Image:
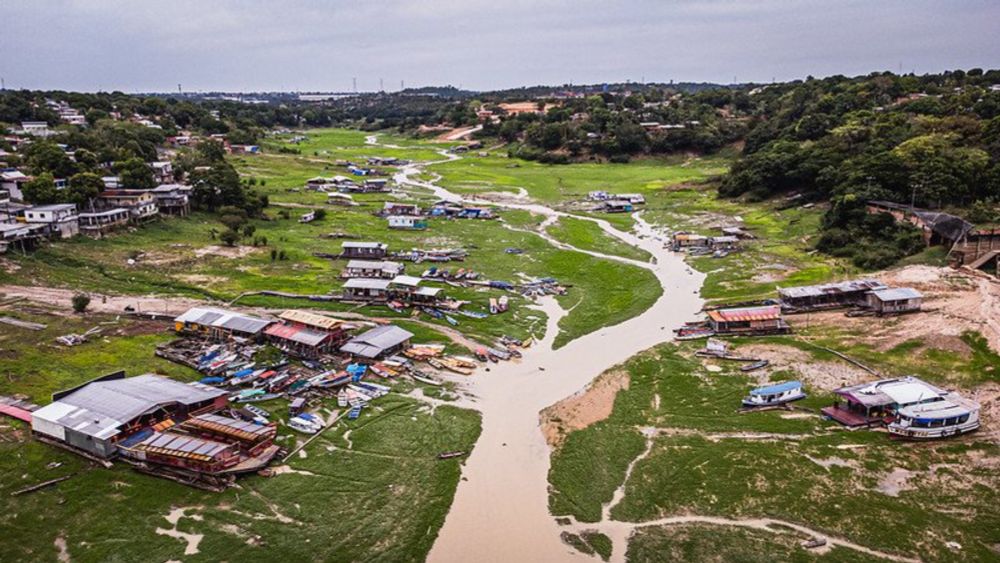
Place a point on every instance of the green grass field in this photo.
(370, 489)
(561, 183)
(807, 472)
(182, 256)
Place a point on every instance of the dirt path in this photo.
(102, 303)
(620, 531)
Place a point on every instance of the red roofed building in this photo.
(307, 334)
(748, 320)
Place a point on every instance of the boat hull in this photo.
(921, 434)
(791, 398)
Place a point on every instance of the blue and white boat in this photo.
(942, 418)
(777, 394)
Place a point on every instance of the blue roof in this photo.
(777, 388)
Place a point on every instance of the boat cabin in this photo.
(777, 394)
(938, 419)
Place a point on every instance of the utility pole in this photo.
(380, 87)
(354, 80)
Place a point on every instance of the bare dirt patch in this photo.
(202, 279)
(62, 299)
(225, 251)
(818, 374)
(578, 411)
(954, 302)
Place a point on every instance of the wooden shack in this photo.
(748, 320)
(895, 300)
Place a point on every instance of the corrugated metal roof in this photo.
(411, 281)
(830, 288)
(765, 313)
(880, 393)
(367, 283)
(97, 409)
(375, 341)
(311, 319)
(179, 445)
(897, 294)
(297, 334)
(221, 318)
(364, 245)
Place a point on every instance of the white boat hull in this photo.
(915, 433)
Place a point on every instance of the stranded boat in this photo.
(936, 419)
(777, 394)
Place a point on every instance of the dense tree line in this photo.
(931, 140)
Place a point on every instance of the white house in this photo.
(61, 218)
(12, 180)
(406, 222)
(35, 128)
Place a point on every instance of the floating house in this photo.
(910, 407)
(396, 208)
(306, 334)
(747, 320)
(895, 301)
(407, 222)
(851, 293)
(94, 417)
(366, 289)
(378, 342)
(372, 269)
(221, 324)
(617, 206)
(364, 250)
(689, 240)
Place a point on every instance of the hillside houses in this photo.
(140, 204)
(61, 219)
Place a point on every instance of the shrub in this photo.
(80, 302)
(229, 238)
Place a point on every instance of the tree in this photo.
(136, 175)
(46, 156)
(82, 188)
(40, 190)
(80, 302)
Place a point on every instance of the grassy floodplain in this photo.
(182, 257)
(370, 489)
(700, 457)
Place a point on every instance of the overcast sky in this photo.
(317, 45)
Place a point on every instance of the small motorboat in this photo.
(755, 365)
(777, 394)
(306, 422)
(423, 378)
